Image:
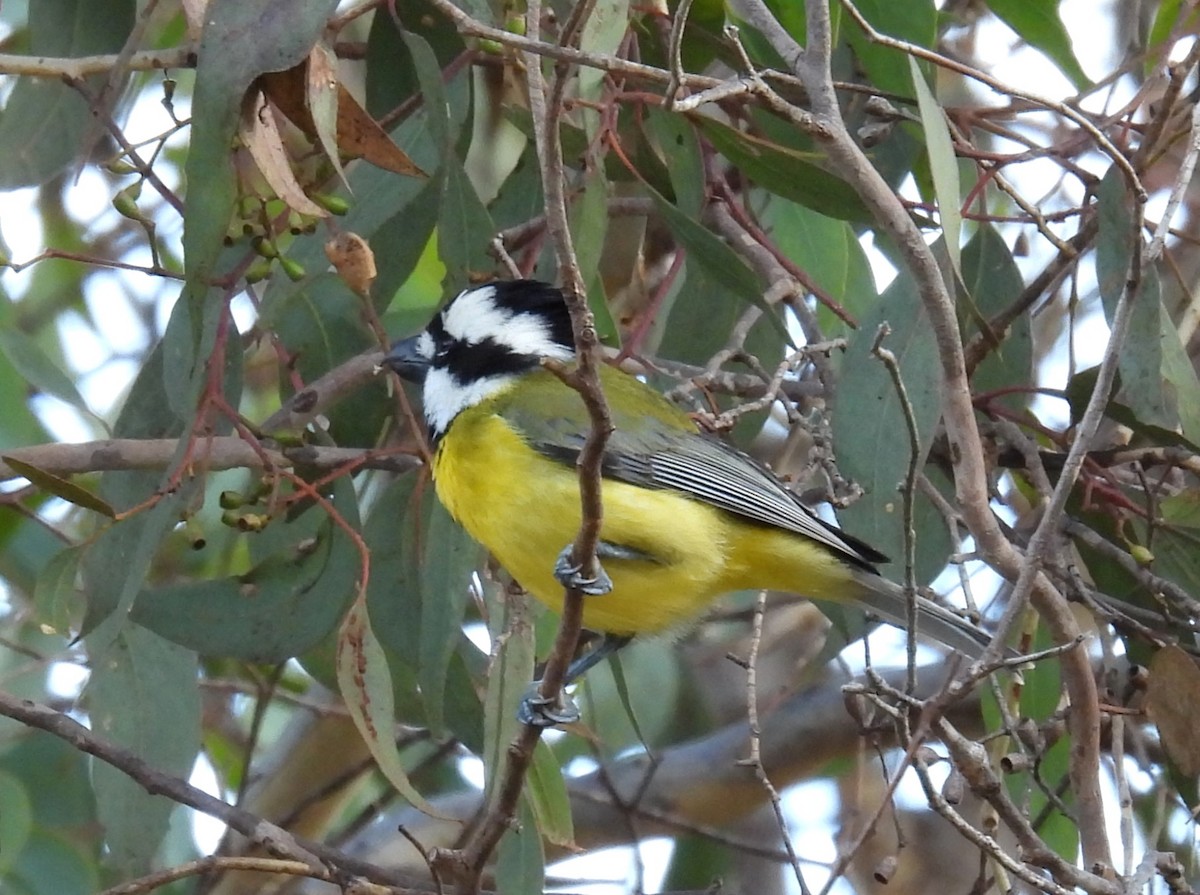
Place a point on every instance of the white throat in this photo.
(446, 397)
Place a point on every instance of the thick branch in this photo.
(812, 65)
(81, 67)
(223, 452)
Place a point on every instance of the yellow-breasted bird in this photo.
(687, 517)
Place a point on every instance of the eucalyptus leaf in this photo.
(870, 432)
(520, 861)
(280, 608)
(449, 559)
(143, 696)
(45, 119)
(785, 172)
(943, 164)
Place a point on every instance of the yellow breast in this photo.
(525, 508)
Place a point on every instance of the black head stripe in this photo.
(542, 299)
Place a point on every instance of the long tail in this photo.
(934, 622)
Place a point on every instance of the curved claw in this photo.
(541, 711)
(569, 575)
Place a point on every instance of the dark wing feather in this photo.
(660, 448)
(717, 473)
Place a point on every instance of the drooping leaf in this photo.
(509, 676)
(719, 261)
(45, 119)
(1158, 381)
(465, 229)
(1174, 686)
(785, 172)
(60, 487)
(546, 792)
(942, 164)
(1041, 27)
(449, 559)
(366, 686)
(520, 861)
(143, 696)
(280, 608)
(870, 431)
(828, 251)
(55, 597)
(992, 278)
(260, 134)
(390, 76)
(314, 100)
(914, 21)
(16, 820)
(241, 40)
(39, 370)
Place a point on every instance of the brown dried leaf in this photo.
(358, 136)
(260, 133)
(354, 261)
(1172, 695)
(321, 90)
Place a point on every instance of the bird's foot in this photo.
(543, 711)
(571, 576)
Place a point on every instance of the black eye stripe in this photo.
(467, 363)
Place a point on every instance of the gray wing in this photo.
(713, 471)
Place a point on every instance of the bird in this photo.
(687, 516)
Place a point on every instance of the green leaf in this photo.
(61, 487)
(509, 676)
(828, 251)
(281, 608)
(16, 820)
(718, 260)
(546, 791)
(44, 120)
(679, 149)
(942, 164)
(603, 31)
(870, 434)
(21, 428)
(589, 225)
(143, 696)
(1037, 23)
(992, 278)
(465, 228)
(394, 591)
(118, 559)
(55, 596)
(39, 370)
(785, 171)
(1157, 379)
(449, 559)
(115, 565)
(390, 76)
(914, 21)
(241, 40)
(50, 865)
(520, 861)
(366, 686)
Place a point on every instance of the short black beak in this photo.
(404, 359)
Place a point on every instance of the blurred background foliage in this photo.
(197, 588)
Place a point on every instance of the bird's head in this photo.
(480, 342)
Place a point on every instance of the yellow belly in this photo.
(525, 509)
